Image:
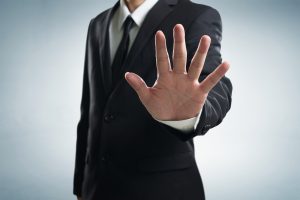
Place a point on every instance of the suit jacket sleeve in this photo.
(218, 101)
(82, 127)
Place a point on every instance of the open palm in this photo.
(177, 94)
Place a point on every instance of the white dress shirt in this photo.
(115, 35)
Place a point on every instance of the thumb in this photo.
(137, 83)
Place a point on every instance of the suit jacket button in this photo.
(207, 126)
(109, 118)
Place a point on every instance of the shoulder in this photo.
(203, 19)
(94, 27)
(200, 9)
(100, 17)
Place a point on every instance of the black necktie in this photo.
(121, 52)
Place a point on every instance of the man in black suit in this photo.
(136, 129)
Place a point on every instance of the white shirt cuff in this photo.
(186, 125)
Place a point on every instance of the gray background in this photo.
(253, 154)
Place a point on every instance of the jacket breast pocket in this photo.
(166, 163)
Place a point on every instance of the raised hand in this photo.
(177, 94)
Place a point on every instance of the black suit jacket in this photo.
(121, 151)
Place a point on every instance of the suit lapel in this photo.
(104, 50)
(153, 19)
(147, 30)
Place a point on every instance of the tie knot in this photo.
(128, 24)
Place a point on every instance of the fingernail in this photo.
(127, 74)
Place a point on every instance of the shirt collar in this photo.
(138, 15)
